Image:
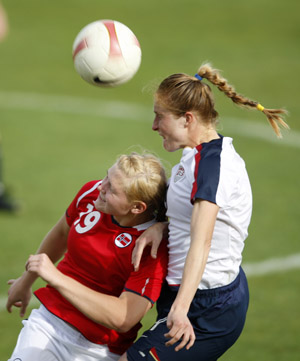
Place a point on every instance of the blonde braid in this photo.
(273, 115)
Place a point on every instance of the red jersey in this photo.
(99, 256)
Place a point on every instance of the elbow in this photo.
(124, 326)
(118, 323)
(123, 329)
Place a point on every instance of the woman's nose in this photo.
(155, 124)
(101, 187)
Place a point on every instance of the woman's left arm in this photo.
(202, 226)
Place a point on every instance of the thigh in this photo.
(151, 346)
(45, 337)
(34, 342)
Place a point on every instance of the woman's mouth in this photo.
(162, 135)
(101, 198)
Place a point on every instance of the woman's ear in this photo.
(138, 207)
(189, 118)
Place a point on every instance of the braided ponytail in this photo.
(273, 115)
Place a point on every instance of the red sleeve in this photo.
(147, 281)
(72, 211)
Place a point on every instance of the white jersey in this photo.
(214, 172)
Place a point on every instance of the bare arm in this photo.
(54, 245)
(202, 226)
(152, 236)
(119, 313)
(55, 242)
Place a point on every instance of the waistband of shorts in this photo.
(212, 292)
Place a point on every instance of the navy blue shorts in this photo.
(217, 315)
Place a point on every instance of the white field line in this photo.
(130, 111)
(73, 105)
(270, 266)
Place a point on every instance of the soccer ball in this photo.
(106, 53)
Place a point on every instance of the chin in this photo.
(99, 207)
(170, 148)
(167, 146)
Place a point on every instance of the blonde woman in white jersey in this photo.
(203, 306)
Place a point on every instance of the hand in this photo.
(180, 329)
(151, 237)
(42, 266)
(19, 295)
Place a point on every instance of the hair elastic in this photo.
(198, 77)
(260, 107)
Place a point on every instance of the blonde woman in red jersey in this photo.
(94, 301)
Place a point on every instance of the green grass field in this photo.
(58, 132)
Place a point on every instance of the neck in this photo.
(203, 135)
(133, 220)
(208, 136)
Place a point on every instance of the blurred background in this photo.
(58, 132)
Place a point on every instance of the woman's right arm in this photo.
(54, 245)
(152, 236)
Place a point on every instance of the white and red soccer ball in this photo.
(106, 53)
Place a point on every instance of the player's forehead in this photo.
(159, 108)
(115, 177)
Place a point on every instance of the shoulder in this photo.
(219, 153)
(208, 158)
(208, 164)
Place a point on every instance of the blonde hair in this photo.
(180, 93)
(145, 180)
